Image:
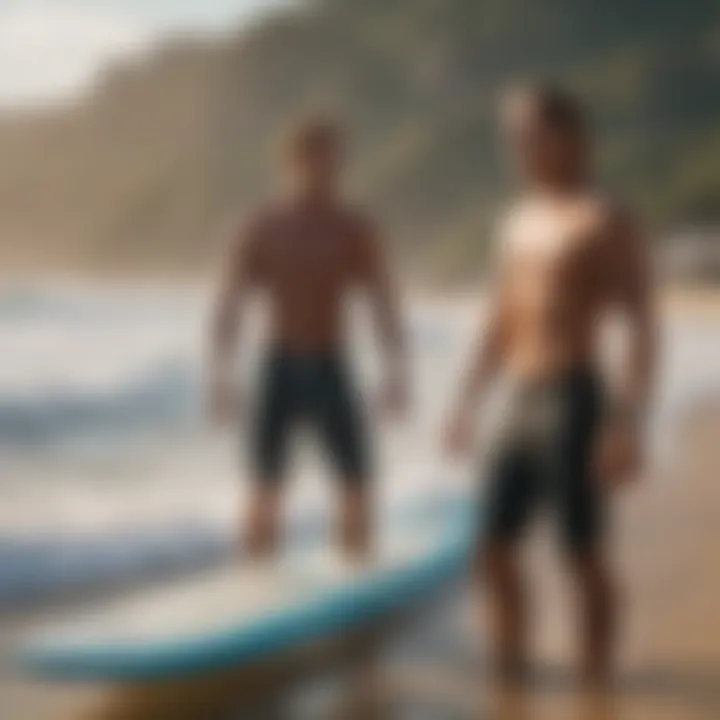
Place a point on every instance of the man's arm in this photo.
(225, 325)
(484, 366)
(487, 354)
(632, 295)
(634, 298)
(384, 297)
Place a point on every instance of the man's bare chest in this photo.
(553, 251)
(314, 257)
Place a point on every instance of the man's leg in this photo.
(342, 424)
(598, 613)
(582, 508)
(355, 521)
(263, 521)
(272, 426)
(507, 604)
(513, 494)
(583, 511)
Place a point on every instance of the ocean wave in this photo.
(75, 304)
(38, 568)
(165, 397)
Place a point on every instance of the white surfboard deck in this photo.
(246, 613)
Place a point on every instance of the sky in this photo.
(52, 50)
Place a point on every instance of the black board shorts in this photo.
(315, 391)
(543, 458)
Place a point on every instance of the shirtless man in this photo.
(568, 257)
(307, 251)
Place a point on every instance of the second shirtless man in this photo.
(568, 258)
(307, 251)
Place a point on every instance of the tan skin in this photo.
(306, 252)
(568, 259)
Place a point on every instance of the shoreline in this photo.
(683, 300)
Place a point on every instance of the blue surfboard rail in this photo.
(322, 617)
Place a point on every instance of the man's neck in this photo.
(315, 200)
(559, 189)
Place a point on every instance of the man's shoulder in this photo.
(505, 217)
(265, 214)
(253, 231)
(606, 214)
(510, 209)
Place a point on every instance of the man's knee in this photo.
(498, 562)
(593, 574)
(265, 499)
(262, 527)
(355, 521)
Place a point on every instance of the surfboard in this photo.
(247, 614)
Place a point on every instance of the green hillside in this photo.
(154, 166)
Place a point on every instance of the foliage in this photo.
(152, 169)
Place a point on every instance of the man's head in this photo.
(313, 152)
(547, 130)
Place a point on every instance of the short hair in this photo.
(554, 105)
(312, 134)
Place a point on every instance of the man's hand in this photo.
(224, 404)
(459, 434)
(395, 398)
(618, 455)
